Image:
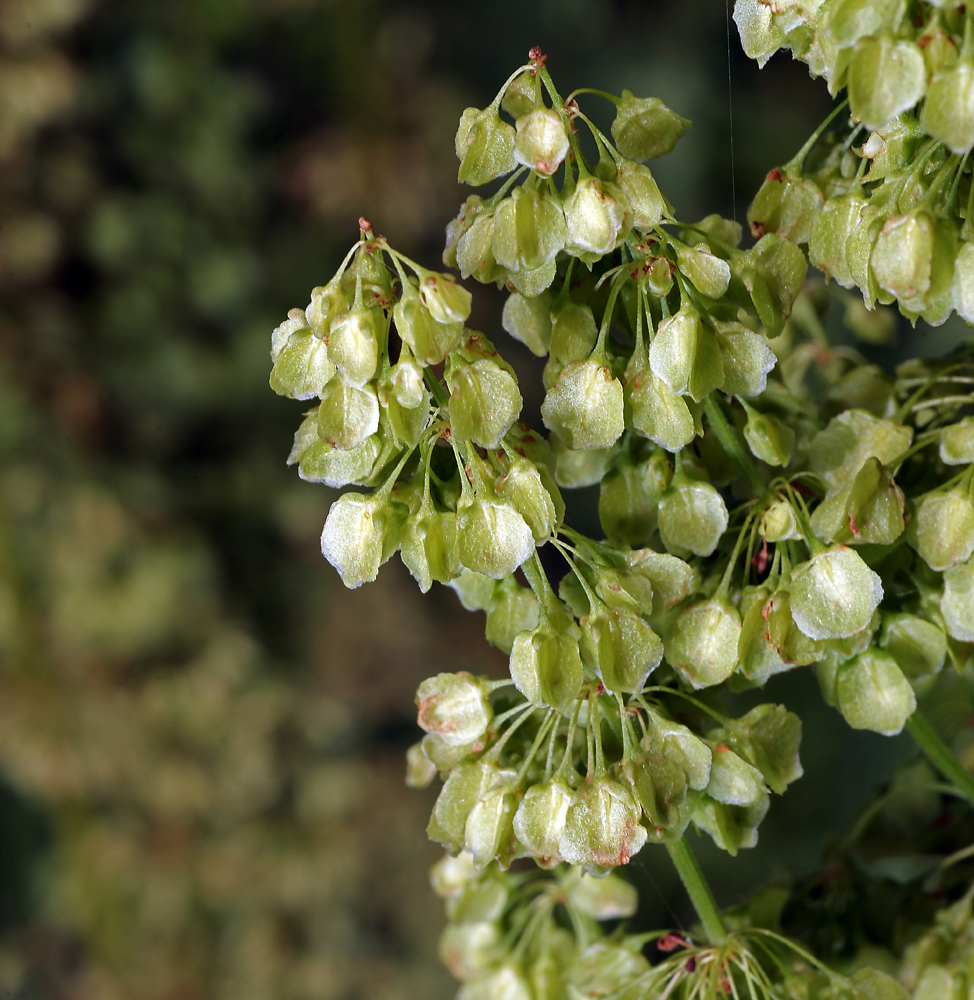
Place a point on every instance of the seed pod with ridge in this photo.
(529, 321)
(302, 367)
(541, 142)
(430, 548)
(536, 498)
(428, 340)
(692, 516)
(701, 642)
(707, 272)
(872, 693)
(786, 204)
(659, 414)
(629, 498)
(948, 109)
(545, 663)
(644, 197)
(585, 406)
(645, 128)
(347, 414)
(573, 331)
(621, 647)
(870, 510)
(511, 610)
(456, 706)
(484, 400)
(539, 822)
(489, 830)
(529, 230)
(746, 358)
(602, 826)
(683, 355)
(360, 533)
(918, 646)
(829, 235)
(942, 531)
(886, 77)
(494, 538)
(446, 301)
(598, 217)
(769, 438)
(484, 146)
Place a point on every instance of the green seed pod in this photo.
(484, 401)
(834, 594)
(356, 340)
(957, 604)
(957, 443)
(545, 663)
(494, 538)
(529, 230)
(541, 142)
(523, 94)
(360, 534)
(484, 145)
(585, 406)
(428, 340)
(772, 273)
(469, 949)
(489, 830)
(480, 899)
(678, 744)
(767, 737)
(692, 517)
(621, 647)
(708, 273)
(605, 969)
(761, 34)
(539, 822)
(758, 657)
(872, 693)
(746, 359)
(504, 983)
(870, 510)
(943, 529)
(608, 898)
(918, 646)
(656, 412)
(460, 792)
(459, 226)
(948, 110)
(962, 288)
(532, 283)
(913, 259)
(886, 77)
(733, 781)
(683, 355)
(647, 203)
(475, 251)
(447, 302)
(511, 610)
(302, 367)
(701, 643)
(598, 217)
(645, 128)
(430, 547)
(420, 770)
(327, 302)
(524, 489)
(319, 462)
(660, 787)
(602, 825)
(629, 498)
(529, 321)
(659, 276)
(779, 524)
(347, 415)
(405, 425)
(785, 204)
(792, 645)
(829, 236)
(476, 591)
(769, 438)
(456, 706)
(573, 332)
(839, 451)
(846, 21)
(670, 578)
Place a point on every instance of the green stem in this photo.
(733, 447)
(939, 754)
(698, 890)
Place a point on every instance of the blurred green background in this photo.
(201, 732)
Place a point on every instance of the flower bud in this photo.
(957, 443)
(785, 204)
(872, 693)
(656, 412)
(957, 604)
(701, 643)
(529, 321)
(360, 533)
(943, 529)
(484, 145)
(683, 355)
(885, 77)
(347, 415)
(948, 109)
(834, 594)
(493, 537)
(645, 128)
(870, 510)
(529, 230)
(430, 341)
(692, 517)
(541, 142)
(779, 524)
(840, 451)
(573, 332)
(642, 193)
(602, 825)
(598, 217)
(629, 498)
(918, 646)
(513, 610)
(484, 401)
(302, 367)
(621, 647)
(545, 662)
(540, 820)
(709, 274)
(446, 301)
(585, 406)
(746, 359)
(768, 438)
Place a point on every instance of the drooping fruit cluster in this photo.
(755, 513)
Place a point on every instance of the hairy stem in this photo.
(699, 892)
(939, 754)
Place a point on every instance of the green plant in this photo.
(768, 500)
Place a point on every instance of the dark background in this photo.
(201, 732)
